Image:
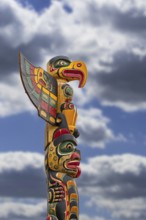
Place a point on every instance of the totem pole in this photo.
(52, 96)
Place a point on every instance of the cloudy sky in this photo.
(110, 36)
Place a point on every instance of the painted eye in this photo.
(61, 63)
(66, 147)
(69, 146)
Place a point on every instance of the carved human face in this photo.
(65, 158)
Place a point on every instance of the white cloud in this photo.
(125, 209)
(21, 208)
(118, 164)
(119, 4)
(86, 217)
(17, 13)
(94, 129)
(126, 106)
(18, 161)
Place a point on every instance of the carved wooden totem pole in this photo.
(51, 94)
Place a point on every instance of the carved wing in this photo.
(41, 88)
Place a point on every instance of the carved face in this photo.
(62, 67)
(64, 158)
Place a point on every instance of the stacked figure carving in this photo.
(51, 94)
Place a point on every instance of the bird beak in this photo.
(77, 70)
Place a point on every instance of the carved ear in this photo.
(62, 133)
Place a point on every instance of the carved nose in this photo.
(76, 155)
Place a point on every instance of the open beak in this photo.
(77, 70)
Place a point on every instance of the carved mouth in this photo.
(75, 74)
(73, 164)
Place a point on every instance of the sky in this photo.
(110, 37)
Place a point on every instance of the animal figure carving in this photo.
(51, 94)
